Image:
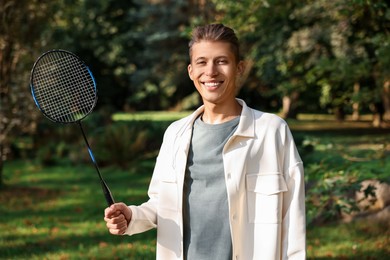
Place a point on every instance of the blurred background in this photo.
(322, 65)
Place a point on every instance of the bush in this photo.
(330, 193)
(333, 174)
(122, 143)
(112, 142)
(53, 152)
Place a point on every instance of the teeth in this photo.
(211, 84)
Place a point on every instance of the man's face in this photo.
(214, 70)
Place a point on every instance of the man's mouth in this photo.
(213, 84)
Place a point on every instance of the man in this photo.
(228, 181)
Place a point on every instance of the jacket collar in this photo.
(246, 126)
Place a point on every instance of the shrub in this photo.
(332, 178)
(122, 143)
(330, 193)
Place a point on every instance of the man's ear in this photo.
(241, 67)
(189, 68)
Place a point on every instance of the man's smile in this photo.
(212, 84)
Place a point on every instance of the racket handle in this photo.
(107, 193)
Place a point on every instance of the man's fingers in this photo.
(115, 210)
(120, 225)
(117, 229)
(116, 225)
(117, 217)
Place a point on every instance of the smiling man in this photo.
(214, 70)
(228, 181)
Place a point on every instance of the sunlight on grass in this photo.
(329, 117)
(57, 213)
(150, 115)
(173, 115)
(352, 240)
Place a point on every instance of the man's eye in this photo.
(200, 62)
(222, 61)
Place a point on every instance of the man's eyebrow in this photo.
(222, 57)
(216, 58)
(200, 58)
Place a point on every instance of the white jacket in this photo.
(265, 186)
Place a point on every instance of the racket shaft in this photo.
(106, 190)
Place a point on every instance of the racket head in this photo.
(63, 86)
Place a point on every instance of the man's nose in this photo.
(211, 69)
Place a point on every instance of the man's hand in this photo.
(117, 218)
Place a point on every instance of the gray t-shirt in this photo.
(205, 203)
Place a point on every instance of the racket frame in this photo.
(106, 191)
(33, 91)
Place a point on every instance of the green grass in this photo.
(356, 240)
(56, 212)
(150, 115)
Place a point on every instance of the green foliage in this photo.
(19, 35)
(335, 165)
(124, 143)
(51, 153)
(314, 47)
(138, 53)
(120, 143)
(136, 49)
(53, 142)
(331, 195)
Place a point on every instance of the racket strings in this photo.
(63, 87)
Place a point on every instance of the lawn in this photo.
(56, 212)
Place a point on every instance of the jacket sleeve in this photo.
(294, 216)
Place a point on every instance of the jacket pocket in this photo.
(168, 198)
(265, 197)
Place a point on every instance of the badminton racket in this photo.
(64, 90)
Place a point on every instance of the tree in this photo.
(325, 47)
(136, 49)
(103, 34)
(161, 80)
(267, 30)
(21, 23)
(360, 40)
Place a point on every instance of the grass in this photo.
(356, 240)
(349, 147)
(150, 115)
(56, 212)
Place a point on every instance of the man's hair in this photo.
(215, 32)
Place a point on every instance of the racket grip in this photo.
(107, 194)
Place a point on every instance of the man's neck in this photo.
(217, 114)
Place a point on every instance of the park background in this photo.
(322, 65)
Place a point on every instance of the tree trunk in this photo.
(356, 104)
(339, 113)
(1, 166)
(377, 111)
(386, 100)
(5, 74)
(290, 106)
